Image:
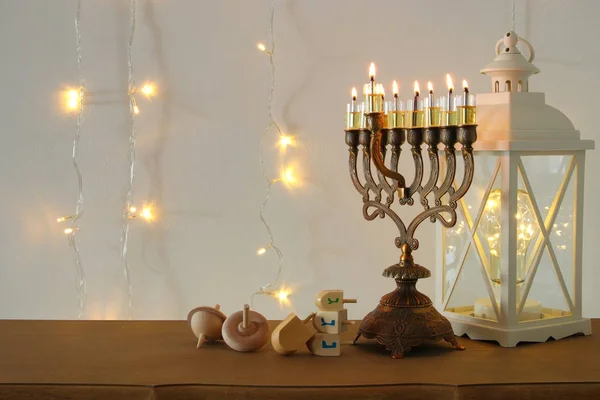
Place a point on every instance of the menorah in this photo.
(406, 318)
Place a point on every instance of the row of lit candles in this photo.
(450, 110)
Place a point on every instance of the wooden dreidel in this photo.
(333, 322)
(245, 330)
(291, 334)
(206, 323)
(325, 345)
(331, 300)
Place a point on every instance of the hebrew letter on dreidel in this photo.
(324, 344)
(331, 300)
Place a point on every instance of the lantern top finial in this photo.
(510, 70)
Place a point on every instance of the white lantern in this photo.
(510, 269)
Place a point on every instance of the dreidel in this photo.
(332, 300)
(333, 322)
(325, 345)
(291, 334)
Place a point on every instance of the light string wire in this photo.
(131, 157)
(514, 17)
(265, 290)
(77, 98)
(81, 282)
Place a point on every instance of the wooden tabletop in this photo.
(158, 359)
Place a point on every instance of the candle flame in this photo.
(354, 94)
(449, 82)
(395, 88)
(430, 87)
(465, 85)
(417, 88)
(372, 71)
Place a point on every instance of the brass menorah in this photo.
(406, 318)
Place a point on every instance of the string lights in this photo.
(74, 102)
(286, 176)
(131, 211)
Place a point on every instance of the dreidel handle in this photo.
(349, 301)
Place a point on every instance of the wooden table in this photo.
(158, 360)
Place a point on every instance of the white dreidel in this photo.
(332, 300)
(333, 322)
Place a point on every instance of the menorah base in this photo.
(406, 318)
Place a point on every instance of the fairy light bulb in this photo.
(285, 141)
(148, 89)
(287, 176)
(147, 214)
(69, 231)
(132, 210)
(261, 47)
(73, 100)
(261, 251)
(283, 296)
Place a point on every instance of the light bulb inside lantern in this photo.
(148, 89)
(261, 251)
(261, 47)
(527, 229)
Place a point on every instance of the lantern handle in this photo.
(508, 41)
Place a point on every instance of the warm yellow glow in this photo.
(148, 89)
(449, 82)
(68, 231)
(136, 110)
(147, 213)
(261, 47)
(430, 87)
(354, 94)
(62, 219)
(395, 88)
(283, 296)
(73, 100)
(285, 141)
(261, 251)
(132, 209)
(287, 176)
(417, 91)
(465, 85)
(372, 71)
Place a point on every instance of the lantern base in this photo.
(405, 318)
(556, 328)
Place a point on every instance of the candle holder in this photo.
(406, 318)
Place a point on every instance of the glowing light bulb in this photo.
(283, 296)
(261, 251)
(69, 231)
(148, 89)
(287, 176)
(136, 110)
(147, 214)
(62, 219)
(261, 47)
(73, 100)
(285, 141)
(449, 83)
(132, 209)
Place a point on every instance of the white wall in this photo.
(198, 142)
